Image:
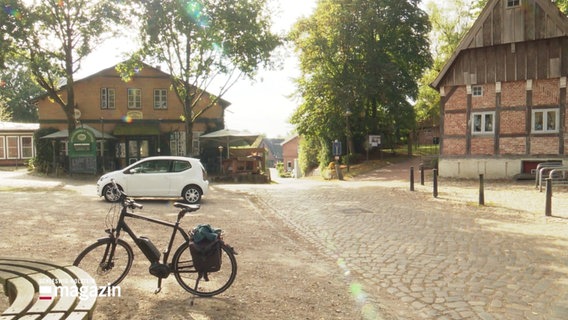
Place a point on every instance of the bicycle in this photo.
(109, 259)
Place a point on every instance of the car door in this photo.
(180, 176)
(149, 179)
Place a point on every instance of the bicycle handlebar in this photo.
(126, 202)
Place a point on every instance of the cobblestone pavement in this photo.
(408, 255)
(420, 257)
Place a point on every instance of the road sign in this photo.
(337, 150)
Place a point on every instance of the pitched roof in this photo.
(18, 126)
(556, 24)
(224, 103)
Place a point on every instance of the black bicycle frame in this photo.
(122, 225)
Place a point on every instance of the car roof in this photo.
(169, 158)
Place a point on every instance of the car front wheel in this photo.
(192, 194)
(110, 194)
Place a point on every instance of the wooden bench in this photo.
(44, 290)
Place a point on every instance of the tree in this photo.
(206, 45)
(449, 26)
(18, 92)
(360, 62)
(54, 36)
(562, 5)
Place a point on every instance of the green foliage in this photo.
(450, 24)
(202, 41)
(308, 155)
(53, 37)
(282, 173)
(359, 68)
(44, 151)
(562, 5)
(18, 92)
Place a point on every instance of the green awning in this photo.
(136, 129)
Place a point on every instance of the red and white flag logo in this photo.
(45, 293)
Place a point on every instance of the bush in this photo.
(42, 162)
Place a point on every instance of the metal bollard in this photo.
(481, 191)
(435, 173)
(422, 174)
(548, 205)
(411, 178)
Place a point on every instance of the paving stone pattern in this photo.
(407, 255)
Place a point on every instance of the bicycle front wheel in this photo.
(108, 270)
(204, 284)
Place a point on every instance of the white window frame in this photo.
(196, 142)
(3, 151)
(108, 96)
(483, 122)
(477, 91)
(545, 119)
(134, 98)
(8, 145)
(22, 147)
(160, 99)
(513, 3)
(64, 147)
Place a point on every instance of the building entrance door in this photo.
(137, 149)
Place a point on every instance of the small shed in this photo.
(17, 144)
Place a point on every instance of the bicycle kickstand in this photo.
(200, 275)
(159, 288)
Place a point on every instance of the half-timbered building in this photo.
(503, 92)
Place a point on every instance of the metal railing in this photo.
(542, 170)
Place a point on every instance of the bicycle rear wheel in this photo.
(107, 270)
(200, 284)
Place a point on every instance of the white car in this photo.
(162, 176)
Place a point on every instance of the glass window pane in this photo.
(27, 147)
(2, 148)
(551, 120)
(489, 122)
(477, 123)
(12, 147)
(538, 121)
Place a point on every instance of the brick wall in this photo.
(513, 94)
(482, 145)
(487, 100)
(546, 92)
(544, 145)
(512, 122)
(454, 146)
(512, 146)
(455, 124)
(87, 98)
(456, 99)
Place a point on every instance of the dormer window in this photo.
(513, 3)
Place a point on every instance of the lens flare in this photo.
(127, 119)
(194, 11)
(12, 12)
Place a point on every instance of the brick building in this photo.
(290, 152)
(503, 92)
(137, 119)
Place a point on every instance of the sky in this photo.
(263, 105)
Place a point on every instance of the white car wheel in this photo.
(192, 194)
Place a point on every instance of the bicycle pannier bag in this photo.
(205, 248)
(206, 255)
